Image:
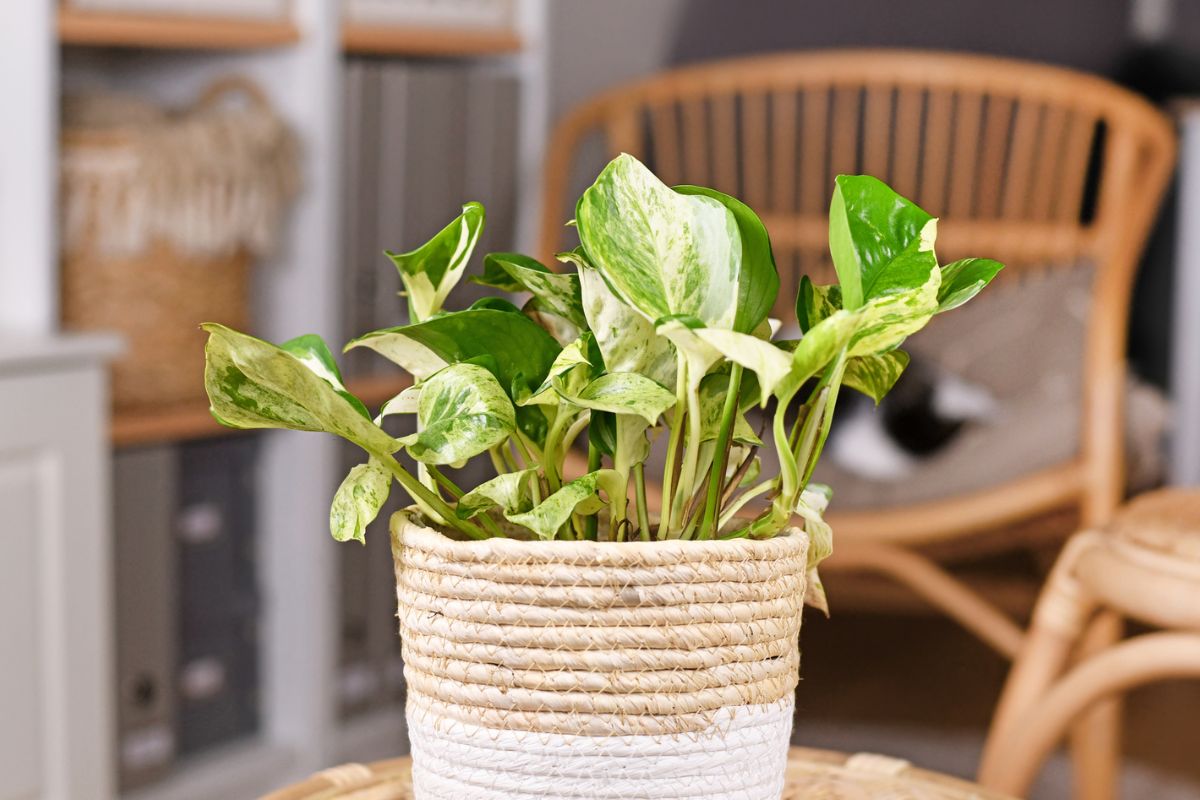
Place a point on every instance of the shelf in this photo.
(191, 420)
(106, 29)
(361, 39)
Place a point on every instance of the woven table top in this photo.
(812, 775)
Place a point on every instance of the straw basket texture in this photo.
(538, 670)
(161, 213)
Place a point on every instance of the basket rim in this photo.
(409, 532)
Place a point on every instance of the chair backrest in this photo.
(1037, 166)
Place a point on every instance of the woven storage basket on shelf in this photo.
(539, 670)
(161, 214)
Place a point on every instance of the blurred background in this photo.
(176, 622)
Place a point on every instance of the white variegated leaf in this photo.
(885, 321)
(433, 269)
(581, 494)
(626, 339)
(254, 384)
(875, 376)
(358, 500)
(820, 547)
(665, 253)
(403, 403)
(462, 412)
(511, 492)
(770, 364)
(621, 393)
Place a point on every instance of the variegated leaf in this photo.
(433, 269)
(581, 494)
(820, 547)
(885, 321)
(626, 339)
(254, 384)
(663, 252)
(358, 500)
(713, 390)
(554, 293)
(511, 492)
(621, 393)
(462, 412)
(875, 375)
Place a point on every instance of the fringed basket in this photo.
(162, 214)
(656, 670)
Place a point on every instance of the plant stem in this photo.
(550, 453)
(591, 523)
(743, 498)
(691, 458)
(835, 383)
(497, 462)
(445, 482)
(643, 515)
(677, 419)
(716, 476)
(427, 500)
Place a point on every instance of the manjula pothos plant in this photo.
(662, 328)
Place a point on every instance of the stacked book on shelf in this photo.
(187, 602)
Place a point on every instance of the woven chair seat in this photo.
(1166, 522)
(812, 775)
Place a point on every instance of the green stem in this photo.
(691, 459)
(591, 523)
(445, 482)
(497, 462)
(835, 383)
(716, 476)
(677, 419)
(428, 500)
(743, 498)
(550, 453)
(643, 515)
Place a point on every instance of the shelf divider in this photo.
(363, 39)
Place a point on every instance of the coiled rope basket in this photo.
(655, 670)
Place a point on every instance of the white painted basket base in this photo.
(741, 756)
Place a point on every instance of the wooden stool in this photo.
(812, 775)
(1145, 566)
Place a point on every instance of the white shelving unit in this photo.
(298, 63)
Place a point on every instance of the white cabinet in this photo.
(55, 624)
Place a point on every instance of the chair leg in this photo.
(1096, 738)
(1152, 657)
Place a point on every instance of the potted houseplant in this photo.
(562, 636)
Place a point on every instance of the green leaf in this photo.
(758, 279)
(621, 393)
(434, 268)
(880, 242)
(663, 252)
(312, 351)
(815, 303)
(254, 384)
(511, 492)
(514, 348)
(964, 279)
(462, 411)
(358, 500)
(547, 517)
(555, 293)
(875, 375)
(627, 341)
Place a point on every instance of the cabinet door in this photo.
(55, 591)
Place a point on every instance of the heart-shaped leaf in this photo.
(434, 268)
(462, 411)
(663, 252)
(255, 384)
(880, 241)
(358, 500)
(964, 279)
(551, 514)
(875, 375)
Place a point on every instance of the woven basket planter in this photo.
(657, 670)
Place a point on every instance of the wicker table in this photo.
(812, 775)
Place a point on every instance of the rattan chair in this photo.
(1037, 166)
(1145, 566)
